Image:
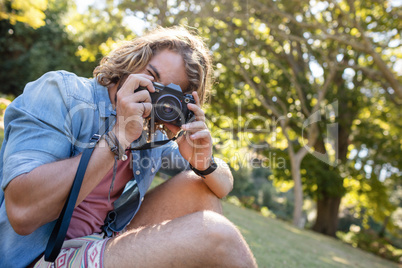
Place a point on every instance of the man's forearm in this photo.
(220, 182)
(36, 198)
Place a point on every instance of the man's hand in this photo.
(132, 108)
(196, 145)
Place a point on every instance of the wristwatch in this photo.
(212, 167)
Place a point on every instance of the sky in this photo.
(135, 24)
(83, 4)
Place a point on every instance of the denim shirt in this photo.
(52, 120)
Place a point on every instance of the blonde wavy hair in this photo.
(133, 56)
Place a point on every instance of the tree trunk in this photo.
(298, 193)
(327, 215)
(381, 233)
(327, 204)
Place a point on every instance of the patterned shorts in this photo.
(82, 252)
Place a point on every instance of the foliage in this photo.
(252, 190)
(26, 53)
(97, 30)
(25, 11)
(374, 168)
(280, 62)
(369, 240)
(68, 41)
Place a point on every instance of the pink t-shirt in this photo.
(88, 217)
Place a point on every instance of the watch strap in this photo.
(213, 166)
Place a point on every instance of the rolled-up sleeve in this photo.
(37, 127)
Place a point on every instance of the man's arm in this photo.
(196, 147)
(220, 182)
(36, 198)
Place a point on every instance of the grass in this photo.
(278, 244)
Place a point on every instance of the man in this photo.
(114, 224)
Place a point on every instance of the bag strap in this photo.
(60, 229)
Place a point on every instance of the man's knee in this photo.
(202, 239)
(221, 238)
(218, 230)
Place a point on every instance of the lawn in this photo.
(278, 244)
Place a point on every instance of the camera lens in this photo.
(168, 108)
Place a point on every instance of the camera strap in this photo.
(58, 234)
(153, 144)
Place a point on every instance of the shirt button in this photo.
(137, 172)
(142, 199)
(152, 170)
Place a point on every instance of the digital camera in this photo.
(169, 104)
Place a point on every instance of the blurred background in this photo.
(305, 107)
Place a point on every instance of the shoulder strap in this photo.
(60, 229)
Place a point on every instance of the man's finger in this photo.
(147, 109)
(194, 126)
(133, 82)
(137, 97)
(203, 134)
(198, 112)
(196, 98)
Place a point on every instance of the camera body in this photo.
(169, 104)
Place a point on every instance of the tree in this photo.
(68, 41)
(27, 53)
(29, 12)
(288, 60)
(374, 168)
(97, 30)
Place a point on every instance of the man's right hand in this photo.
(132, 108)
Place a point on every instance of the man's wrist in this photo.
(204, 164)
(212, 166)
(200, 161)
(121, 137)
(115, 146)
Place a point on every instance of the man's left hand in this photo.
(196, 145)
